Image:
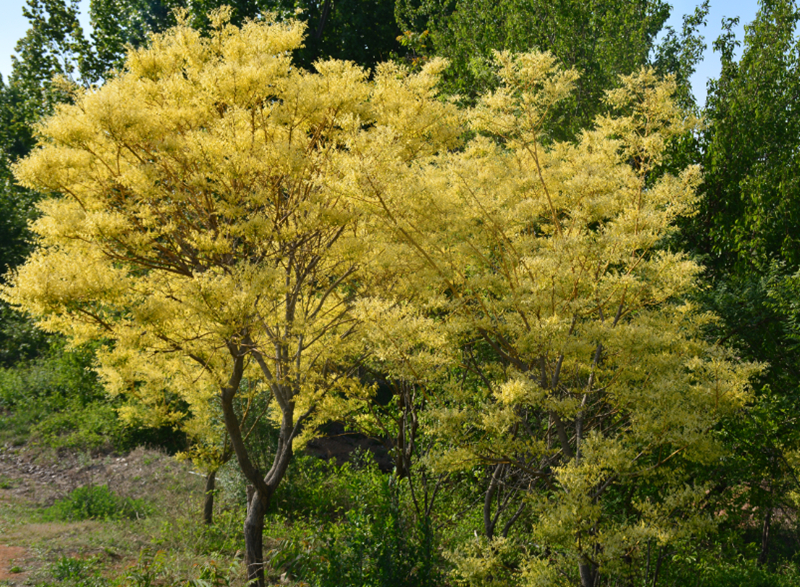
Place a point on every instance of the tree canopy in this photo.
(595, 383)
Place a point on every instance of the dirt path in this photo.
(11, 556)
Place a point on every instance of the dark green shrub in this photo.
(96, 502)
(88, 427)
(57, 401)
(364, 531)
(722, 571)
(321, 489)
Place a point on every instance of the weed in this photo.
(212, 575)
(364, 535)
(67, 568)
(75, 572)
(149, 570)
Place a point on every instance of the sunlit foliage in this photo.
(234, 227)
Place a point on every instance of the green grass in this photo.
(96, 502)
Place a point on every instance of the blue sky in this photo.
(13, 25)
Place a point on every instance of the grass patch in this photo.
(75, 572)
(93, 537)
(96, 502)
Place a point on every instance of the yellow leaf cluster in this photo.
(552, 257)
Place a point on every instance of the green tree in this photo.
(750, 212)
(602, 39)
(363, 31)
(746, 231)
(118, 24)
(54, 46)
(679, 54)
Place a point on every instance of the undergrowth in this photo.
(56, 401)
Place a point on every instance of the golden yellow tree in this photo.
(596, 392)
(199, 222)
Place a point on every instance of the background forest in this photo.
(527, 316)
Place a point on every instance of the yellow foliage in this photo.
(231, 224)
(200, 215)
(552, 257)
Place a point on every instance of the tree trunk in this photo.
(208, 504)
(257, 509)
(587, 571)
(254, 538)
(762, 556)
(263, 487)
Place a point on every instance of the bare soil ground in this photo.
(11, 558)
(41, 477)
(31, 480)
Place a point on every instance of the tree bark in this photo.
(263, 486)
(562, 436)
(257, 505)
(587, 571)
(488, 522)
(208, 504)
(254, 537)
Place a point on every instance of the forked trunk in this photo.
(208, 504)
(263, 487)
(258, 500)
